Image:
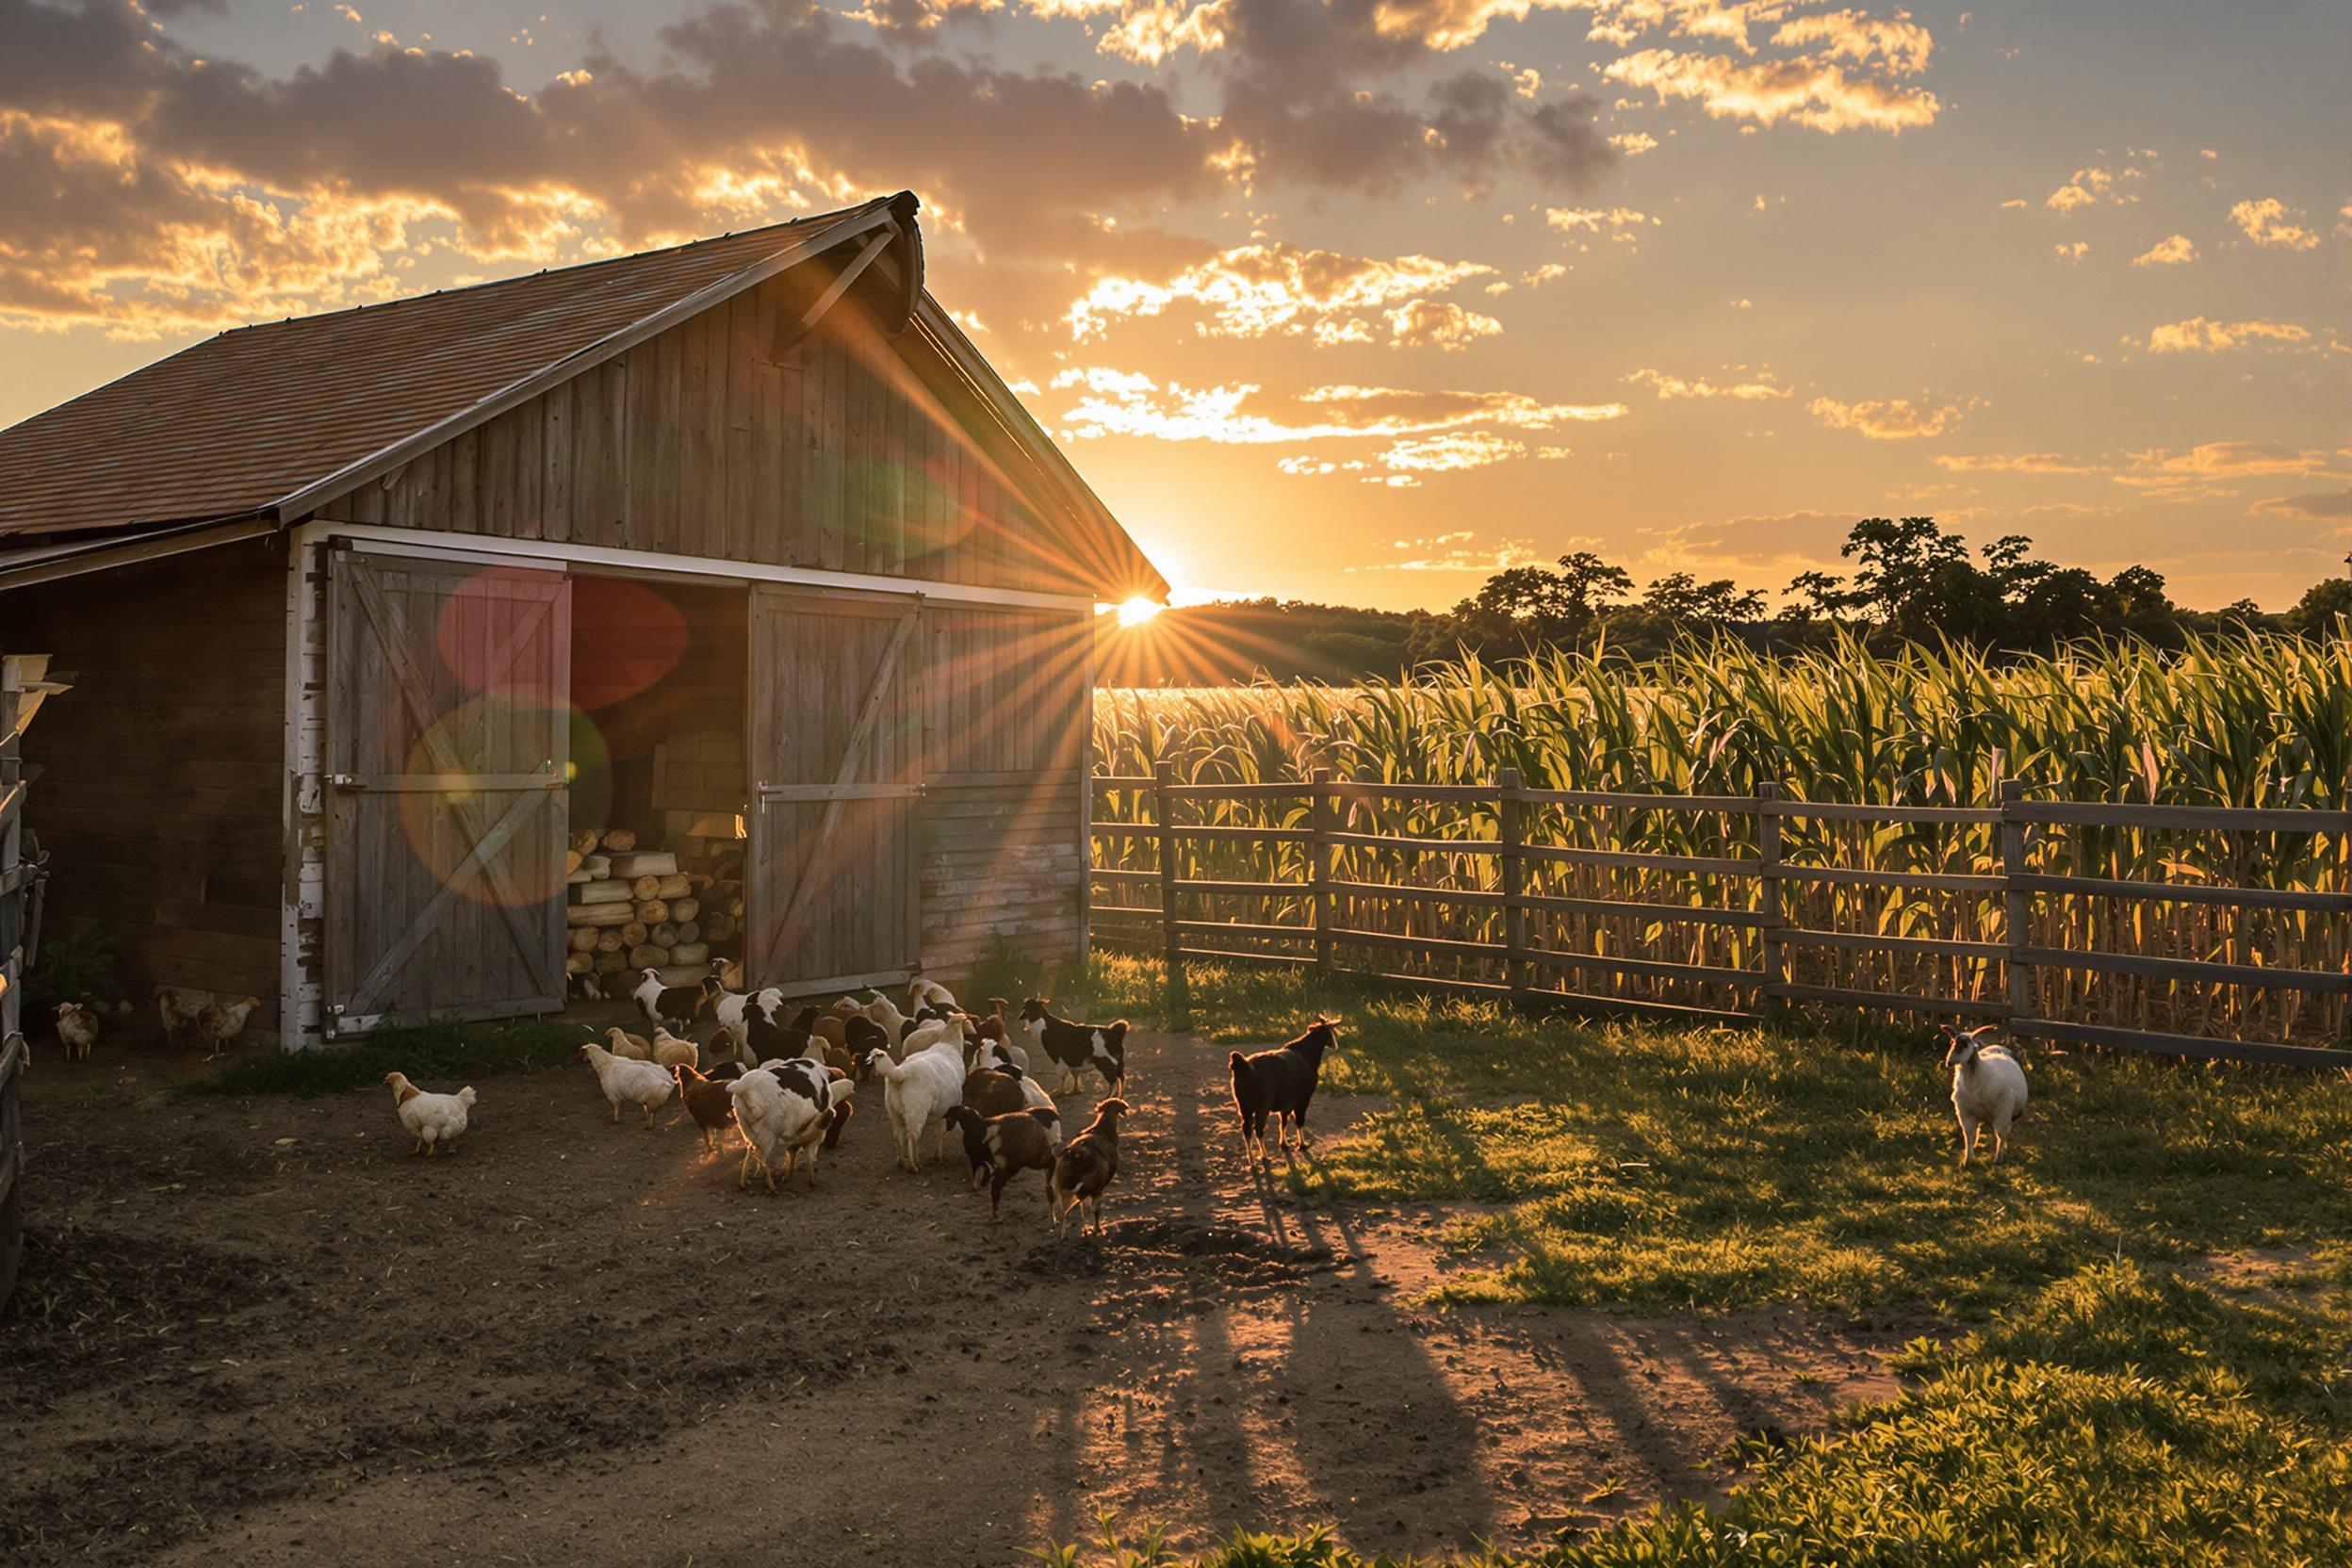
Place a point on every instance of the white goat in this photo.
(1988, 1087)
(917, 1092)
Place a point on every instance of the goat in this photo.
(1988, 1087)
(1086, 1165)
(661, 1003)
(1280, 1082)
(1002, 1147)
(1074, 1047)
(917, 1093)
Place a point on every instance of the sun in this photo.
(1138, 609)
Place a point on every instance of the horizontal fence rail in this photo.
(1729, 907)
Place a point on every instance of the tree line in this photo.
(1909, 580)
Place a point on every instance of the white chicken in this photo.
(436, 1121)
(77, 1029)
(639, 1084)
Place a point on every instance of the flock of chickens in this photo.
(787, 1089)
(188, 1016)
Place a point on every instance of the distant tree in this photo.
(1521, 609)
(2315, 614)
(1679, 597)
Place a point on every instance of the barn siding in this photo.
(701, 442)
(163, 769)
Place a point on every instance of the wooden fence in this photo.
(1999, 912)
(21, 688)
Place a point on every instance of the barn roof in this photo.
(270, 421)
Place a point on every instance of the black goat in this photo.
(1281, 1083)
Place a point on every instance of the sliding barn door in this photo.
(833, 885)
(447, 746)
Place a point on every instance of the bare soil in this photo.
(267, 1334)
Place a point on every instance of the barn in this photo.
(737, 549)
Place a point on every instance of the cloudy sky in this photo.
(1354, 299)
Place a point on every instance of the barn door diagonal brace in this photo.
(387, 623)
(479, 861)
(831, 823)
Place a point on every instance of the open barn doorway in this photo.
(660, 792)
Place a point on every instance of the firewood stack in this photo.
(632, 908)
(715, 867)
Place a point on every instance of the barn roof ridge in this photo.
(236, 427)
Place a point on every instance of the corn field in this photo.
(2259, 722)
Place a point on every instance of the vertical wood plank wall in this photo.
(701, 441)
(160, 790)
(1006, 704)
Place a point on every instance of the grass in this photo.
(2123, 1418)
(2122, 1403)
(1664, 1166)
(428, 1052)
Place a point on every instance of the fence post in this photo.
(2015, 902)
(1320, 866)
(1171, 942)
(1769, 900)
(1511, 867)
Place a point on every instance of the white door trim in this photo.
(491, 549)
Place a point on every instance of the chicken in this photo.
(669, 1050)
(622, 1043)
(436, 1121)
(223, 1021)
(639, 1084)
(178, 1012)
(1086, 1165)
(707, 1102)
(77, 1029)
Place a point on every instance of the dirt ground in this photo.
(290, 1341)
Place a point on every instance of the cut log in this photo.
(635, 934)
(597, 914)
(673, 886)
(690, 952)
(572, 860)
(582, 939)
(649, 956)
(653, 912)
(683, 974)
(580, 963)
(720, 928)
(685, 909)
(647, 886)
(599, 867)
(581, 840)
(689, 931)
(645, 862)
(664, 934)
(611, 941)
(611, 963)
(620, 841)
(602, 893)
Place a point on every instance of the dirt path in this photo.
(286, 1341)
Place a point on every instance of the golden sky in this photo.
(1350, 300)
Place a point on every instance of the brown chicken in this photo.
(707, 1103)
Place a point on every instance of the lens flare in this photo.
(627, 637)
(443, 826)
(1138, 611)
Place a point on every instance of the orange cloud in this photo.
(1668, 387)
(1890, 419)
(2018, 462)
(2265, 222)
(1116, 402)
(2228, 460)
(1269, 290)
(2199, 336)
(2093, 185)
(1811, 92)
(2172, 251)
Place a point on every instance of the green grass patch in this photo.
(429, 1054)
(2121, 1418)
(1663, 1167)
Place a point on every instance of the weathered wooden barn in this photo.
(370, 610)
